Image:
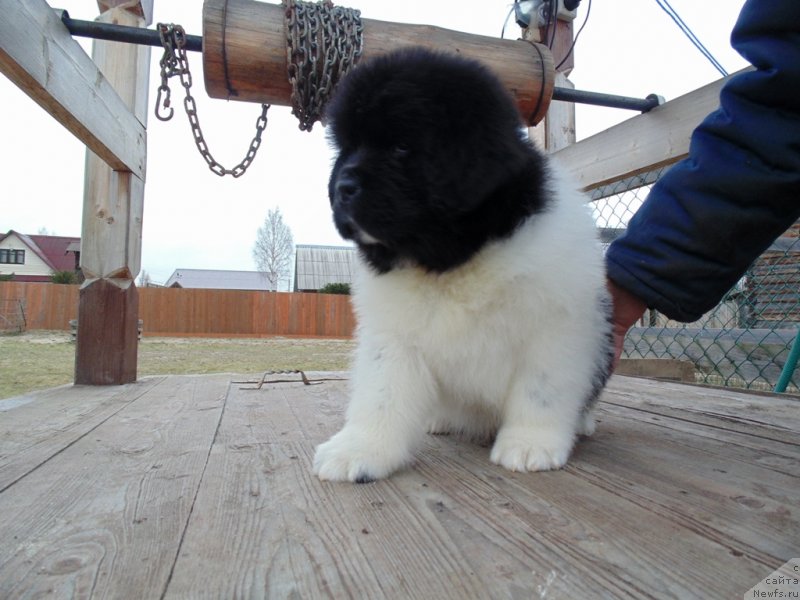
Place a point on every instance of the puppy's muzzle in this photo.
(347, 190)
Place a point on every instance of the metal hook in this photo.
(165, 104)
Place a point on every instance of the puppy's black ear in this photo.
(488, 166)
(480, 141)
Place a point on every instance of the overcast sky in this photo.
(194, 219)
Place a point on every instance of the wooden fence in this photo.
(185, 312)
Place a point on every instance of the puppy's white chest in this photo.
(466, 329)
(438, 308)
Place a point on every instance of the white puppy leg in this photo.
(586, 424)
(392, 395)
(540, 421)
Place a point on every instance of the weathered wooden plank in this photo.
(771, 416)
(761, 451)
(38, 426)
(172, 496)
(281, 412)
(292, 536)
(286, 535)
(105, 516)
(657, 368)
(39, 55)
(647, 141)
(737, 494)
(591, 541)
(455, 526)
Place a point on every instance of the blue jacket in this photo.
(712, 214)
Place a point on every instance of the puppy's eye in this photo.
(400, 151)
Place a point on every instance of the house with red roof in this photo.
(37, 257)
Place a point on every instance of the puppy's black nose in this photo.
(347, 188)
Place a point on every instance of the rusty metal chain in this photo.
(304, 378)
(323, 43)
(173, 63)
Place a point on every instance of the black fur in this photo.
(433, 161)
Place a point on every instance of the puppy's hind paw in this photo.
(527, 449)
(348, 456)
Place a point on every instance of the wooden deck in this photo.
(190, 487)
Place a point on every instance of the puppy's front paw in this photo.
(351, 455)
(531, 449)
(586, 424)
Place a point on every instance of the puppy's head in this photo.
(431, 158)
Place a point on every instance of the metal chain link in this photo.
(323, 43)
(173, 63)
(305, 379)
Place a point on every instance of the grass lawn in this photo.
(43, 359)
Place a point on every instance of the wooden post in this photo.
(108, 311)
(558, 129)
(244, 54)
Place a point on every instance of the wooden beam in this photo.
(557, 131)
(562, 48)
(38, 54)
(111, 236)
(647, 141)
(244, 54)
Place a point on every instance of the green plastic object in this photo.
(789, 367)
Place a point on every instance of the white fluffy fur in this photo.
(507, 343)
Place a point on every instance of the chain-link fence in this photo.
(745, 340)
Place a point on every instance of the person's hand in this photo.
(626, 310)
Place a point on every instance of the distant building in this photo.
(317, 266)
(219, 280)
(37, 257)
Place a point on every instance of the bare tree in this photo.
(145, 280)
(274, 247)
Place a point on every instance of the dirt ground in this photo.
(43, 359)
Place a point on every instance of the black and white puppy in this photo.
(480, 294)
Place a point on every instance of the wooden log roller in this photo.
(244, 55)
